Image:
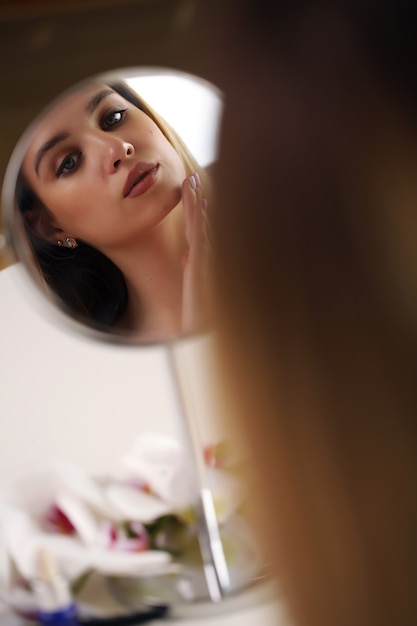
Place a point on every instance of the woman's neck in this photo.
(152, 268)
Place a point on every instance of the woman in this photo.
(114, 209)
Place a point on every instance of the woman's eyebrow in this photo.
(97, 98)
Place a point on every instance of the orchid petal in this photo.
(161, 462)
(111, 563)
(5, 573)
(80, 517)
(134, 504)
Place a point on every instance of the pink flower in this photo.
(57, 522)
(129, 537)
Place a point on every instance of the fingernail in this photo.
(204, 204)
(192, 181)
(197, 178)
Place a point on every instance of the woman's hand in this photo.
(196, 302)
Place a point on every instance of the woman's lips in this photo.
(140, 178)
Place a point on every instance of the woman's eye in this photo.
(113, 119)
(68, 165)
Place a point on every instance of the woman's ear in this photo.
(43, 224)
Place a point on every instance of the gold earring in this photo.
(68, 243)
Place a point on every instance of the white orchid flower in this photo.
(162, 464)
(117, 526)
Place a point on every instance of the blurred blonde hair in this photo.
(316, 267)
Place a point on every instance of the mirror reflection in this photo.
(111, 204)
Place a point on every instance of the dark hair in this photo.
(84, 282)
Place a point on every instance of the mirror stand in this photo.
(212, 550)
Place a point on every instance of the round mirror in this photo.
(107, 197)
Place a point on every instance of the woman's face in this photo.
(103, 168)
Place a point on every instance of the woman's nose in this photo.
(126, 151)
(114, 151)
